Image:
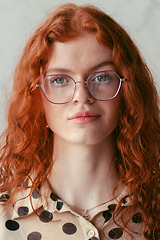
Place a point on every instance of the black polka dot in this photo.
(12, 225)
(137, 218)
(107, 215)
(4, 198)
(23, 211)
(59, 205)
(112, 206)
(124, 201)
(115, 233)
(46, 216)
(35, 193)
(34, 236)
(54, 197)
(69, 228)
(94, 238)
(123, 207)
(25, 183)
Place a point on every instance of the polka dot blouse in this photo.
(55, 220)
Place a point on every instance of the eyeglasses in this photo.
(60, 88)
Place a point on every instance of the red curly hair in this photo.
(27, 143)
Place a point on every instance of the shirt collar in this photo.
(25, 205)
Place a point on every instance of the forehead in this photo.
(82, 52)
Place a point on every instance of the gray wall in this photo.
(19, 18)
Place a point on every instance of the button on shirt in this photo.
(55, 220)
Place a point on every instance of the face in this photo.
(83, 120)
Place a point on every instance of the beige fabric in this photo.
(55, 220)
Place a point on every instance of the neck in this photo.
(83, 175)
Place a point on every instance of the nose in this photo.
(82, 94)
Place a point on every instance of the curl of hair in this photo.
(28, 144)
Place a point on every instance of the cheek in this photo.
(112, 107)
(49, 111)
(55, 116)
(116, 109)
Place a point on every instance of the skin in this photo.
(83, 149)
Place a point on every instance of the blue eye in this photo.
(103, 78)
(58, 80)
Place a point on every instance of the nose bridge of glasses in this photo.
(84, 82)
(80, 89)
(81, 82)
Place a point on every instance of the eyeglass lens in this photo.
(61, 88)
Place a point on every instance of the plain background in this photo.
(19, 19)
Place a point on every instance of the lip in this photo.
(84, 117)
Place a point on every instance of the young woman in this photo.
(80, 156)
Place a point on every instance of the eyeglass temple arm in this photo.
(123, 79)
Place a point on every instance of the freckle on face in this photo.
(78, 57)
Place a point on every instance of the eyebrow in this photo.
(65, 70)
(106, 63)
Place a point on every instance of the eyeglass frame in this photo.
(86, 82)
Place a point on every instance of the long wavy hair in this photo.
(27, 145)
